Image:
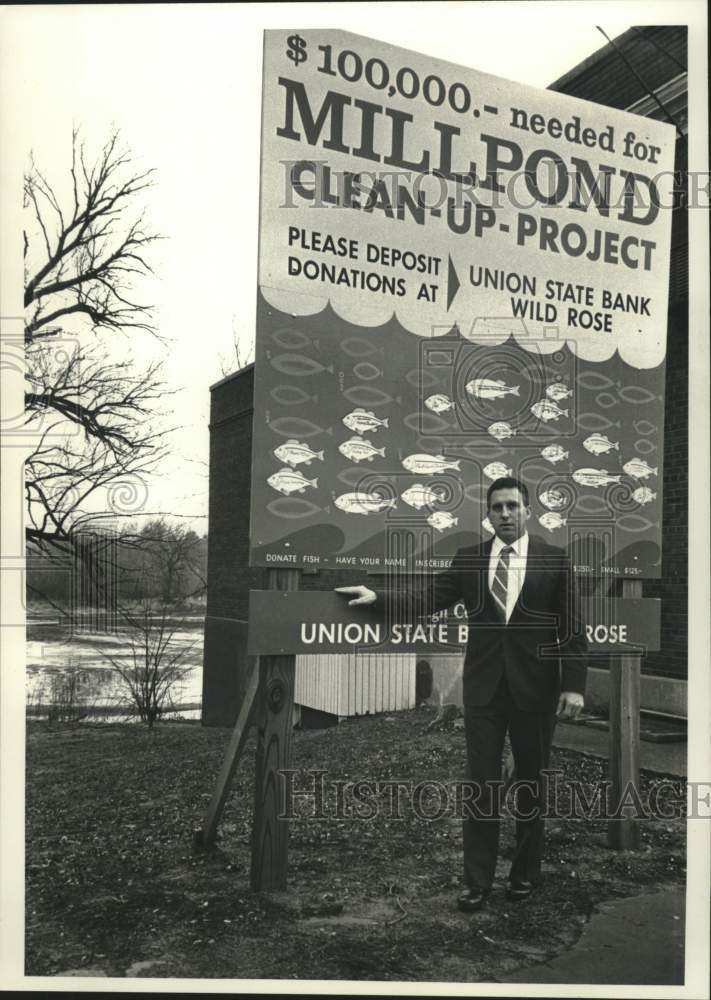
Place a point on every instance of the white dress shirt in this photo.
(517, 568)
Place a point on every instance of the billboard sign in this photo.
(459, 277)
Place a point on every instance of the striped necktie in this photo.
(500, 584)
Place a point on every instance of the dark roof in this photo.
(232, 375)
(654, 52)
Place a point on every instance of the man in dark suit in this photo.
(525, 663)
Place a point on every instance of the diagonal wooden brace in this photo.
(205, 837)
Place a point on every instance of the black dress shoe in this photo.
(519, 889)
(471, 900)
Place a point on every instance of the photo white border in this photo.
(12, 712)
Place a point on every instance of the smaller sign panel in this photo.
(624, 626)
(322, 622)
(300, 622)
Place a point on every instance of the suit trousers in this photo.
(531, 734)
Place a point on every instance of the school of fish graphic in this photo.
(354, 436)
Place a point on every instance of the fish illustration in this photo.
(298, 365)
(288, 481)
(363, 503)
(598, 444)
(439, 403)
(638, 468)
(590, 504)
(358, 449)
(496, 470)
(291, 395)
(645, 446)
(487, 525)
(288, 427)
(551, 521)
(427, 423)
(594, 477)
(636, 394)
(360, 420)
(488, 388)
(358, 347)
(441, 520)
(633, 522)
(353, 476)
(554, 453)
(366, 371)
(546, 409)
(606, 400)
(429, 465)
(553, 499)
(368, 395)
(643, 495)
(419, 496)
(296, 453)
(420, 378)
(292, 340)
(595, 422)
(594, 380)
(292, 508)
(501, 430)
(559, 390)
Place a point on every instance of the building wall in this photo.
(356, 684)
(658, 54)
(229, 578)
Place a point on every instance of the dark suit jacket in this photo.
(542, 636)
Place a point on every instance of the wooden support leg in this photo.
(623, 833)
(206, 836)
(270, 835)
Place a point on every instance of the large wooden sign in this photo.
(459, 277)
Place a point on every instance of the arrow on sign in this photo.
(452, 282)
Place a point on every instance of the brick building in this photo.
(616, 76)
(611, 76)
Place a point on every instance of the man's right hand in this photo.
(362, 595)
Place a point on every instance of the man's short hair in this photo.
(507, 483)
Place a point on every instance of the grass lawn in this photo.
(114, 886)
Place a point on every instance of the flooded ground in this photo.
(72, 671)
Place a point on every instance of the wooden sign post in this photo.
(623, 833)
(274, 720)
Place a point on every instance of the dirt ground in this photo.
(114, 886)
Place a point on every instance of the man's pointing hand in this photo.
(362, 595)
(570, 705)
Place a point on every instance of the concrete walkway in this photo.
(635, 941)
(663, 758)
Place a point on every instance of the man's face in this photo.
(508, 514)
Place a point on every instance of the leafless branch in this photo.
(97, 413)
(90, 255)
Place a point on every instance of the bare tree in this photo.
(241, 356)
(167, 561)
(91, 253)
(94, 431)
(154, 660)
(93, 410)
